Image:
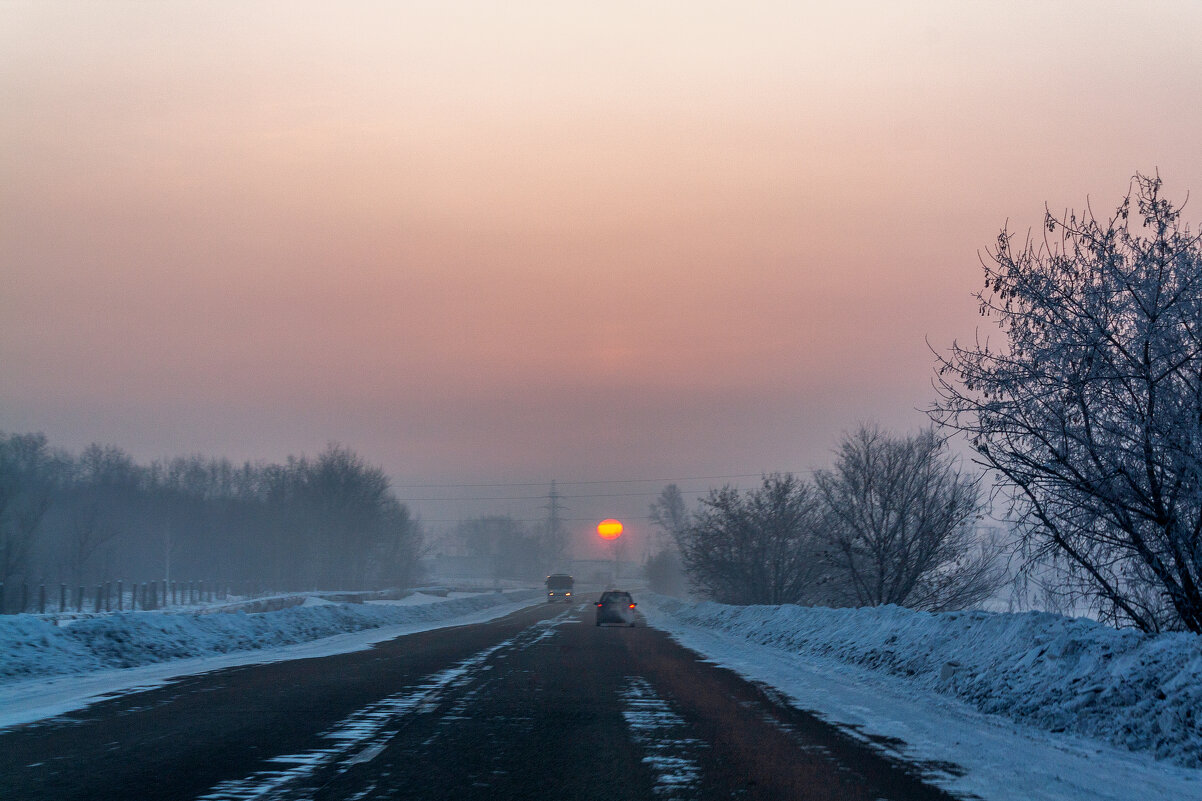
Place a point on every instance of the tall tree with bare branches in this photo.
(756, 547)
(899, 521)
(1090, 408)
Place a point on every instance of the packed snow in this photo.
(1023, 704)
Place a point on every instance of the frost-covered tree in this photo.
(755, 547)
(899, 517)
(1089, 409)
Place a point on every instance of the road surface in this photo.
(541, 704)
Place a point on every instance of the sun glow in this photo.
(609, 529)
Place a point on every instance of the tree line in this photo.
(1082, 404)
(329, 522)
(892, 522)
(511, 549)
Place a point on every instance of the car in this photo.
(616, 606)
(559, 587)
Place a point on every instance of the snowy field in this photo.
(1031, 706)
(47, 669)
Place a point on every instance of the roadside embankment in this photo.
(1140, 691)
(31, 645)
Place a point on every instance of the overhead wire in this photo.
(578, 483)
(544, 497)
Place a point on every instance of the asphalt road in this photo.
(541, 704)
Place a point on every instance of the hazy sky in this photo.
(505, 242)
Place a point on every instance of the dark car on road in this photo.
(616, 606)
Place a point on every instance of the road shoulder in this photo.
(29, 700)
(997, 758)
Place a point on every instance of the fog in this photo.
(480, 246)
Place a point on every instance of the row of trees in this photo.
(892, 522)
(1085, 409)
(330, 521)
(511, 549)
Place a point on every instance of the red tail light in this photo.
(598, 604)
(632, 606)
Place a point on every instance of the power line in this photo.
(580, 483)
(543, 497)
(526, 519)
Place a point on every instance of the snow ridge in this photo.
(35, 646)
(1140, 691)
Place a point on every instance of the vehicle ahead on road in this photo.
(559, 587)
(616, 606)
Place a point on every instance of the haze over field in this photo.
(579, 241)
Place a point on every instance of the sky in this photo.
(504, 243)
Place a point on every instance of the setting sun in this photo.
(609, 529)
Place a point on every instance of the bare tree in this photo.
(669, 515)
(899, 520)
(1091, 410)
(400, 547)
(104, 480)
(755, 547)
(87, 533)
(25, 496)
(669, 519)
(505, 543)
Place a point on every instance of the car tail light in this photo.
(598, 604)
(632, 606)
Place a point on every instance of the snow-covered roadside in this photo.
(824, 666)
(46, 671)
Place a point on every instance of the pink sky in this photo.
(574, 240)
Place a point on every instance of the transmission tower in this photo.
(555, 535)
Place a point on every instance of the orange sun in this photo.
(609, 529)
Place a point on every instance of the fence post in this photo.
(41, 599)
(108, 585)
(120, 596)
(163, 585)
(79, 601)
(62, 597)
(99, 589)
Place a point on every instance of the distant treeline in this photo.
(330, 522)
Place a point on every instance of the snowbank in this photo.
(32, 646)
(1139, 691)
